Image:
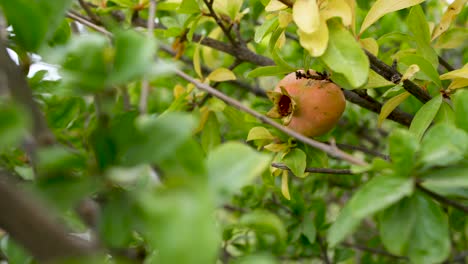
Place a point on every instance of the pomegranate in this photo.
(307, 102)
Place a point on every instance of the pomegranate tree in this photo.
(307, 102)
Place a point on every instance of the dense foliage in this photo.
(128, 141)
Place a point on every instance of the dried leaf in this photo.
(452, 11)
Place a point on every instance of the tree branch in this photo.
(374, 106)
(314, 170)
(20, 91)
(145, 86)
(445, 64)
(90, 13)
(394, 76)
(323, 249)
(218, 21)
(442, 199)
(34, 227)
(331, 150)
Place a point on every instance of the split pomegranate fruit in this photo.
(307, 102)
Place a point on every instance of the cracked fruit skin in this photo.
(308, 106)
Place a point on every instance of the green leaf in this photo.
(460, 105)
(379, 193)
(85, 63)
(308, 228)
(265, 222)
(344, 55)
(403, 148)
(34, 22)
(265, 28)
(183, 220)
(419, 28)
(134, 55)
(424, 65)
(14, 124)
(375, 195)
(115, 222)
(188, 7)
(416, 227)
(279, 61)
(343, 226)
(233, 165)
(211, 135)
(296, 161)
(417, 24)
(161, 137)
(55, 160)
(267, 71)
(424, 117)
(443, 145)
(445, 114)
(455, 177)
(14, 252)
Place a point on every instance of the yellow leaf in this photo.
(410, 72)
(284, 185)
(371, 45)
(460, 73)
(281, 40)
(284, 18)
(337, 8)
(390, 105)
(452, 11)
(275, 147)
(306, 15)
(212, 57)
(383, 7)
(352, 5)
(315, 43)
(259, 133)
(375, 81)
(228, 7)
(221, 75)
(275, 5)
(196, 61)
(458, 83)
(178, 91)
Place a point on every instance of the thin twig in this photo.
(314, 170)
(446, 65)
(332, 151)
(375, 251)
(145, 87)
(220, 23)
(364, 150)
(90, 13)
(88, 23)
(442, 199)
(323, 249)
(289, 3)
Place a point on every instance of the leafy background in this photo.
(128, 141)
